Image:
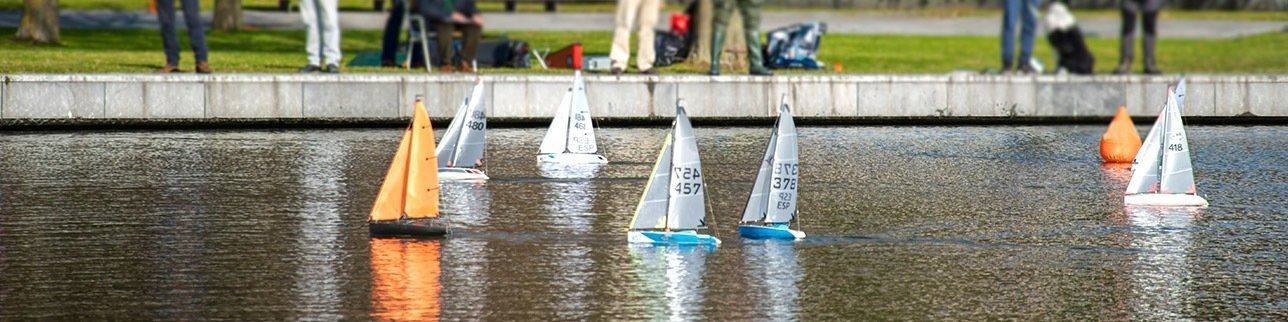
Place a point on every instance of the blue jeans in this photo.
(169, 38)
(1027, 12)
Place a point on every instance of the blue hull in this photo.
(671, 238)
(769, 232)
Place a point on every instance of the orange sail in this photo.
(1120, 143)
(411, 185)
(405, 282)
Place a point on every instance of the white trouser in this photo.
(627, 11)
(322, 24)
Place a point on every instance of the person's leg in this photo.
(1010, 13)
(196, 33)
(470, 35)
(1149, 22)
(750, 10)
(1028, 30)
(308, 12)
(393, 28)
(444, 54)
(620, 54)
(721, 19)
(329, 17)
(169, 40)
(1128, 36)
(645, 55)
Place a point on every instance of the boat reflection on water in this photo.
(405, 283)
(671, 279)
(1160, 275)
(568, 171)
(568, 210)
(773, 272)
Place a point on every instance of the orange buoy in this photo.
(1120, 143)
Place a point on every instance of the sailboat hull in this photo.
(687, 237)
(769, 232)
(407, 228)
(1165, 200)
(571, 158)
(461, 174)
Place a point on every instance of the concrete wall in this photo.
(267, 97)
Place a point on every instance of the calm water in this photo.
(905, 223)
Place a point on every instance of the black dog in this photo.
(1066, 38)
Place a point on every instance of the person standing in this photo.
(322, 29)
(446, 16)
(393, 27)
(750, 10)
(170, 39)
(1149, 20)
(1026, 11)
(630, 12)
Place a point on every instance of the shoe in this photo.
(755, 59)
(464, 68)
(332, 68)
(388, 63)
(760, 71)
(309, 69)
(202, 67)
(1151, 68)
(649, 71)
(617, 71)
(168, 68)
(1026, 69)
(445, 68)
(1123, 68)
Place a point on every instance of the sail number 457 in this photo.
(687, 174)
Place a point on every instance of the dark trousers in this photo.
(196, 30)
(470, 35)
(393, 28)
(1148, 12)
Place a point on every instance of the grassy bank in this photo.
(139, 51)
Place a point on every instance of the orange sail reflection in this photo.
(405, 280)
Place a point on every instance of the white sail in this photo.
(1155, 132)
(757, 201)
(782, 190)
(581, 132)
(650, 213)
(1144, 174)
(557, 135)
(1177, 174)
(686, 209)
(447, 145)
(473, 135)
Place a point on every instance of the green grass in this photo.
(139, 51)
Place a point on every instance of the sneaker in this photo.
(617, 71)
(309, 69)
(464, 68)
(203, 67)
(332, 68)
(1026, 69)
(168, 68)
(445, 68)
(649, 71)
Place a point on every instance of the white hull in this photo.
(571, 158)
(1165, 200)
(458, 174)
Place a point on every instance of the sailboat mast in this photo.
(1162, 141)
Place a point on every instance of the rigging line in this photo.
(711, 212)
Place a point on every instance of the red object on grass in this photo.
(679, 23)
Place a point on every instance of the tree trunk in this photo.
(39, 21)
(228, 15)
(700, 55)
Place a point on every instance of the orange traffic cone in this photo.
(1120, 143)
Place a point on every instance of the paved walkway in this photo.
(849, 22)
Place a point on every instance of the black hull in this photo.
(408, 228)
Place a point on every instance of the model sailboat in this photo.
(460, 153)
(408, 201)
(672, 207)
(1162, 174)
(771, 207)
(571, 137)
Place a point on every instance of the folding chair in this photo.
(418, 31)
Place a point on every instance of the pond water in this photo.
(905, 223)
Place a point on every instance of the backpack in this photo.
(795, 46)
(667, 48)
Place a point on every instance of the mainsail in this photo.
(463, 143)
(686, 209)
(1155, 132)
(411, 184)
(1177, 174)
(782, 191)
